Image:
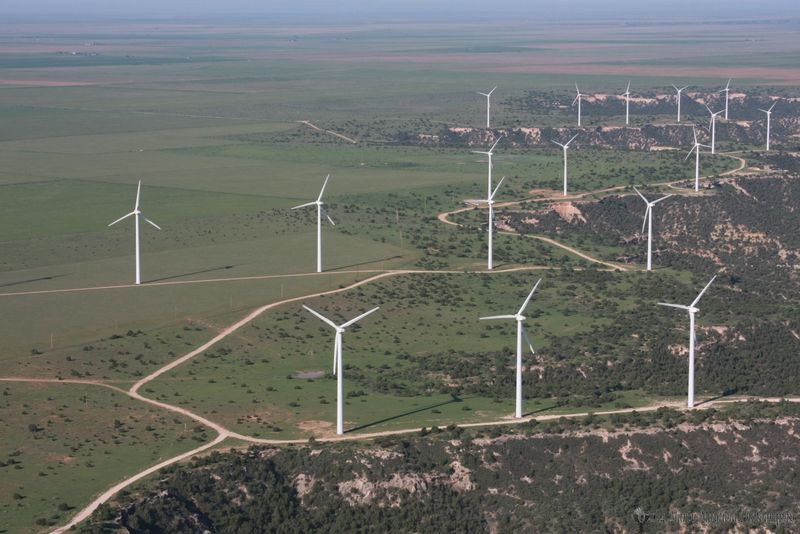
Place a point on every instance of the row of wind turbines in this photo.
(627, 96)
(521, 334)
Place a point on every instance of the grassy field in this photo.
(207, 118)
(63, 443)
(273, 379)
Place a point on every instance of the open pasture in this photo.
(63, 443)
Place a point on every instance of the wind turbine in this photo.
(692, 311)
(520, 334)
(565, 146)
(320, 212)
(648, 220)
(490, 153)
(136, 213)
(488, 103)
(337, 361)
(490, 202)
(726, 91)
(679, 99)
(713, 128)
(769, 117)
(578, 100)
(627, 95)
(696, 150)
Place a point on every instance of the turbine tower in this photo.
(488, 103)
(696, 150)
(490, 153)
(769, 117)
(692, 311)
(713, 126)
(565, 146)
(648, 221)
(337, 361)
(320, 212)
(627, 95)
(136, 213)
(679, 91)
(578, 100)
(489, 202)
(726, 91)
(520, 334)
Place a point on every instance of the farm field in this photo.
(65, 442)
(230, 125)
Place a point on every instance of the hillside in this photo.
(638, 473)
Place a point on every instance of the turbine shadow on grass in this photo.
(727, 393)
(400, 416)
(223, 268)
(53, 277)
(540, 410)
(370, 262)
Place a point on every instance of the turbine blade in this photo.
(492, 91)
(665, 197)
(305, 205)
(491, 197)
(772, 106)
(571, 140)
(628, 90)
(695, 301)
(321, 317)
(684, 87)
(528, 340)
(351, 321)
(138, 195)
(493, 317)
(694, 132)
(679, 306)
(321, 191)
(335, 352)
(151, 222)
(646, 213)
(325, 213)
(641, 195)
(491, 150)
(690, 152)
(527, 300)
(122, 218)
(728, 85)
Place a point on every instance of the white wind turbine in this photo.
(726, 91)
(648, 221)
(692, 311)
(490, 202)
(320, 212)
(578, 100)
(713, 128)
(337, 361)
(696, 150)
(490, 153)
(488, 103)
(520, 334)
(565, 146)
(769, 117)
(679, 91)
(136, 213)
(627, 95)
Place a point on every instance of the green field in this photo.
(64, 443)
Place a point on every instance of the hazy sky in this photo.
(418, 8)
